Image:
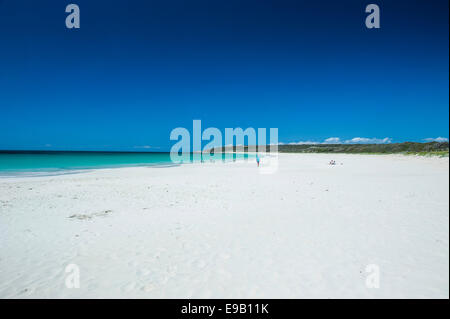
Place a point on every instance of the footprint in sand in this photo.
(201, 264)
(129, 287)
(148, 287)
(143, 272)
(224, 256)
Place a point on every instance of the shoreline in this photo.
(69, 171)
(41, 172)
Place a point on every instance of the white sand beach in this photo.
(222, 230)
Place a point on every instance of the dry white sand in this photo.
(224, 230)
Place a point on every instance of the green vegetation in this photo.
(408, 148)
(432, 148)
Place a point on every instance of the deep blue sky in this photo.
(137, 69)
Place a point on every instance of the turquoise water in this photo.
(66, 161)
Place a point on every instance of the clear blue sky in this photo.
(137, 69)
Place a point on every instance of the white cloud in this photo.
(332, 140)
(365, 140)
(437, 139)
(358, 140)
(303, 143)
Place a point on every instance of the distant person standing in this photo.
(257, 160)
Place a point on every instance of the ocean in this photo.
(25, 162)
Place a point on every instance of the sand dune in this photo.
(222, 230)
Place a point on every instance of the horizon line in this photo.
(193, 152)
